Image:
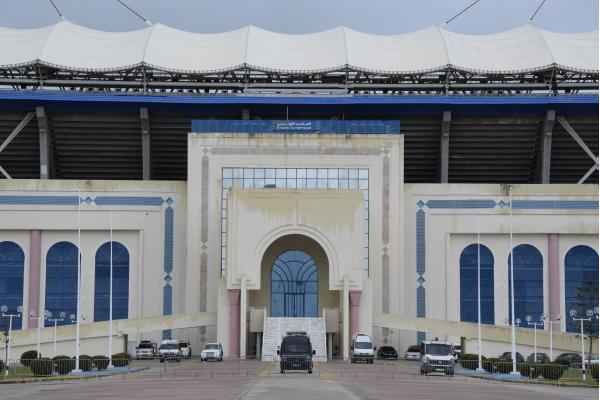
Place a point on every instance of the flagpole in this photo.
(512, 289)
(110, 295)
(77, 336)
(479, 364)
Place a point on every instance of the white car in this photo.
(413, 353)
(437, 356)
(212, 351)
(169, 350)
(185, 348)
(362, 349)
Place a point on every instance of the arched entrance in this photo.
(294, 285)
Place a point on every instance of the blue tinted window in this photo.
(294, 285)
(61, 281)
(120, 257)
(12, 266)
(581, 272)
(468, 284)
(529, 284)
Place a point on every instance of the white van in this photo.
(437, 356)
(362, 349)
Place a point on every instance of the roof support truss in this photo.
(28, 117)
(565, 124)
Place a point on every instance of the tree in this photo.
(587, 299)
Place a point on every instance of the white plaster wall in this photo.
(140, 228)
(448, 231)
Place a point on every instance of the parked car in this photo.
(387, 353)
(538, 358)
(457, 351)
(295, 353)
(507, 356)
(145, 349)
(568, 359)
(413, 353)
(437, 356)
(169, 350)
(593, 360)
(212, 351)
(185, 348)
(362, 349)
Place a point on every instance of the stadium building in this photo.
(334, 182)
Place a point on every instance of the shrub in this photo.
(528, 370)
(552, 371)
(489, 366)
(1, 366)
(564, 362)
(85, 362)
(121, 359)
(41, 366)
(64, 364)
(101, 362)
(27, 357)
(594, 371)
(503, 366)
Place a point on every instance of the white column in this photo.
(243, 306)
(346, 338)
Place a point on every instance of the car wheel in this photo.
(281, 372)
(310, 371)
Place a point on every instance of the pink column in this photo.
(553, 276)
(354, 309)
(35, 257)
(234, 322)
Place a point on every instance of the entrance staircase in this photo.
(276, 328)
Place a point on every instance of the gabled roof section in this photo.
(73, 47)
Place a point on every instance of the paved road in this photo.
(251, 381)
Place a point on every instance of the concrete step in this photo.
(275, 328)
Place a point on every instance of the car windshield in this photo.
(387, 348)
(168, 346)
(296, 345)
(457, 348)
(414, 349)
(362, 345)
(145, 346)
(439, 349)
(211, 347)
(182, 345)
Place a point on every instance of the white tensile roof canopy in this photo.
(72, 47)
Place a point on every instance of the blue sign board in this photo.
(296, 126)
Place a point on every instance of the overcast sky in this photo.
(304, 16)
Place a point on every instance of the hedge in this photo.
(85, 362)
(101, 362)
(594, 371)
(469, 361)
(64, 364)
(28, 356)
(41, 366)
(121, 359)
(553, 371)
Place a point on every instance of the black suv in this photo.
(507, 356)
(295, 353)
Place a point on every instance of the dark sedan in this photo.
(387, 353)
(538, 358)
(568, 359)
(507, 356)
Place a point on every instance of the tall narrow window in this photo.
(529, 284)
(61, 281)
(12, 266)
(294, 285)
(581, 282)
(120, 265)
(468, 284)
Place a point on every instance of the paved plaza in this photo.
(258, 380)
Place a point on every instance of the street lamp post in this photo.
(590, 314)
(535, 325)
(512, 289)
(4, 310)
(545, 318)
(56, 320)
(39, 320)
(479, 361)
